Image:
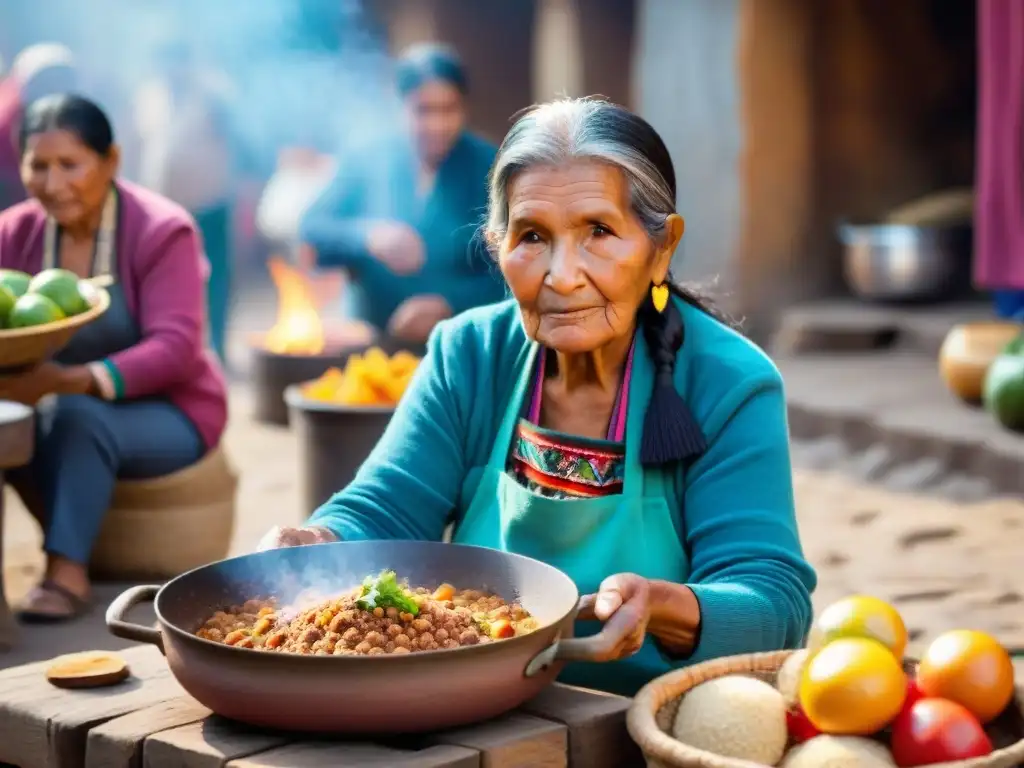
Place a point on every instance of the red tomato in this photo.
(501, 629)
(914, 695)
(800, 728)
(937, 731)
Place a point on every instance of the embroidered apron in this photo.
(114, 330)
(588, 539)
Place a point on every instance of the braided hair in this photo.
(593, 129)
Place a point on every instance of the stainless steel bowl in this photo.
(902, 263)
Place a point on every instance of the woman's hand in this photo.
(623, 603)
(416, 317)
(46, 379)
(280, 537)
(397, 246)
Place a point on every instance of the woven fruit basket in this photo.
(22, 348)
(654, 710)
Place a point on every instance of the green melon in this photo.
(61, 287)
(31, 310)
(14, 281)
(1004, 387)
(7, 299)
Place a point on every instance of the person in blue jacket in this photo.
(603, 420)
(402, 220)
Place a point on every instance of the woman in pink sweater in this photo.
(137, 393)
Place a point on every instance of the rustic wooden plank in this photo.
(596, 722)
(43, 726)
(209, 743)
(512, 741)
(319, 754)
(118, 743)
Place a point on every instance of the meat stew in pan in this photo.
(383, 616)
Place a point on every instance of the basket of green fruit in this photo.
(40, 314)
(850, 699)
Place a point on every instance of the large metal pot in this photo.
(903, 263)
(364, 694)
(272, 372)
(334, 441)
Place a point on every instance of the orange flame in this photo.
(298, 329)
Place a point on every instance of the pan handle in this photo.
(126, 630)
(592, 648)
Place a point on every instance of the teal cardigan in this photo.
(381, 186)
(735, 502)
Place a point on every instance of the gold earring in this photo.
(659, 297)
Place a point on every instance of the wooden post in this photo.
(557, 54)
(728, 84)
(777, 160)
(607, 32)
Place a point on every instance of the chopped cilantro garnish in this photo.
(384, 591)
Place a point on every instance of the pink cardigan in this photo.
(162, 271)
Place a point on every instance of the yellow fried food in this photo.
(370, 379)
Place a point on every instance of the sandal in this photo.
(51, 603)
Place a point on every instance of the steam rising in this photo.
(311, 73)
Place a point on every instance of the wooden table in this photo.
(17, 440)
(150, 721)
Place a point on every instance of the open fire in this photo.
(303, 343)
(298, 329)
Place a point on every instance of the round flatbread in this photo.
(92, 669)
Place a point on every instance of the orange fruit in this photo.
(860, 616)
(970, 668)
(852, 687)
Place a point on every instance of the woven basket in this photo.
(654, 709)
(164, 527)
(25, 347)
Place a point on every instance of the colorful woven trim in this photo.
(565, 466)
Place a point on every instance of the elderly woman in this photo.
(401, 220)
(603, 421)
(137, 395)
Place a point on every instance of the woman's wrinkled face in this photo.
(577, 258)
(66, 176)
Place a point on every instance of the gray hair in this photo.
(586, 129)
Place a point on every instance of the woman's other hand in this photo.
(280, 537)
(623, 604)
(397, 246)
(416, 317)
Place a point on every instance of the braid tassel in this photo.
(671, 433)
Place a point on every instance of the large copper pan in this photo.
(362, 694)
